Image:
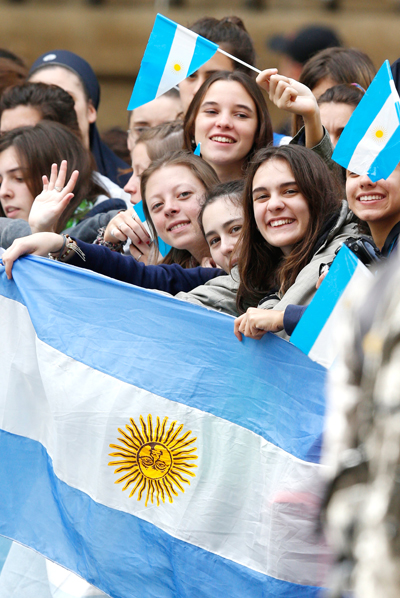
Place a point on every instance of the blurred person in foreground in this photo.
(362, 443)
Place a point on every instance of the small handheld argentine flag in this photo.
(172, 54)
(315, 334)
(370, 142)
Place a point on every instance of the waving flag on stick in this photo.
(370, 142)
(172, 54)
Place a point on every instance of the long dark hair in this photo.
(263, 136)
(46, 143)
(202, 171)
(263, 268)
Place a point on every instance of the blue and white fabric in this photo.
(370, 142)
(146, 450)
(315, 333)
(172, 54)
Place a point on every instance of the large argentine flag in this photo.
(315, 333)
(145, 449)
(370, 142)
(172, 54)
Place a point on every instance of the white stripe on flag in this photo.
(179, 59)
(268, 524)
(377, 136)
(326, 347)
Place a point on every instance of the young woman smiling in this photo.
(172, 189)
(377, 204)
(229, 118)
(152, 144)
(294, 221)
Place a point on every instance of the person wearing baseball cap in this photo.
(297, 48)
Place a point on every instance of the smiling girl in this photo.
(229, 118)
(294, 221)
(172, 190)
(378, 205)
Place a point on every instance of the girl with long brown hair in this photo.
(229, 117)
(27, 153)
(293, 221)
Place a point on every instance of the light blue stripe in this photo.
(179, 351)
(367, 110)
(163, 247)
(387, 160)
(124, 556)
(5, 545)
(203, 51)
(324, 302)
(153, 63)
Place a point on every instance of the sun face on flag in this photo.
(379, 134)
(176, 67)
(154, 462)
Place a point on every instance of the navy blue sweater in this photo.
(171, 278)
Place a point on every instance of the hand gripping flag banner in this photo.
(315, 333)
(145, 449)
(370, 142)
(172, 54)
(163, 247)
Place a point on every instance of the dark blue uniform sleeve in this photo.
(292, 316)
(171, 278)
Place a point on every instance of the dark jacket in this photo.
(170, 278)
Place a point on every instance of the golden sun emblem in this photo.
(154, 462)
(176, 67)
(379, 134)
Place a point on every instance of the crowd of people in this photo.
(243, 228)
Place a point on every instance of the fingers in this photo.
(15, 251)
(137, 254)
(322, 276)
(114, 234)
(282, 94)
(134, 229)
(57, 179)
(263, 79)
(274, 82)
(236, 327)
(60, 181)
(127, 225)
(72, 181)
(53, 176)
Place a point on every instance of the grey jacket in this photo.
(303, 289)
(220, 293)
(324, 148)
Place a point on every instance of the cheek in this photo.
(193, 210)
(249, 133)
(158, 221)
(350, 193)
(199, 128)
(259, 211)
(27, 201)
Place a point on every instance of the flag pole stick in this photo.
(253, 68)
